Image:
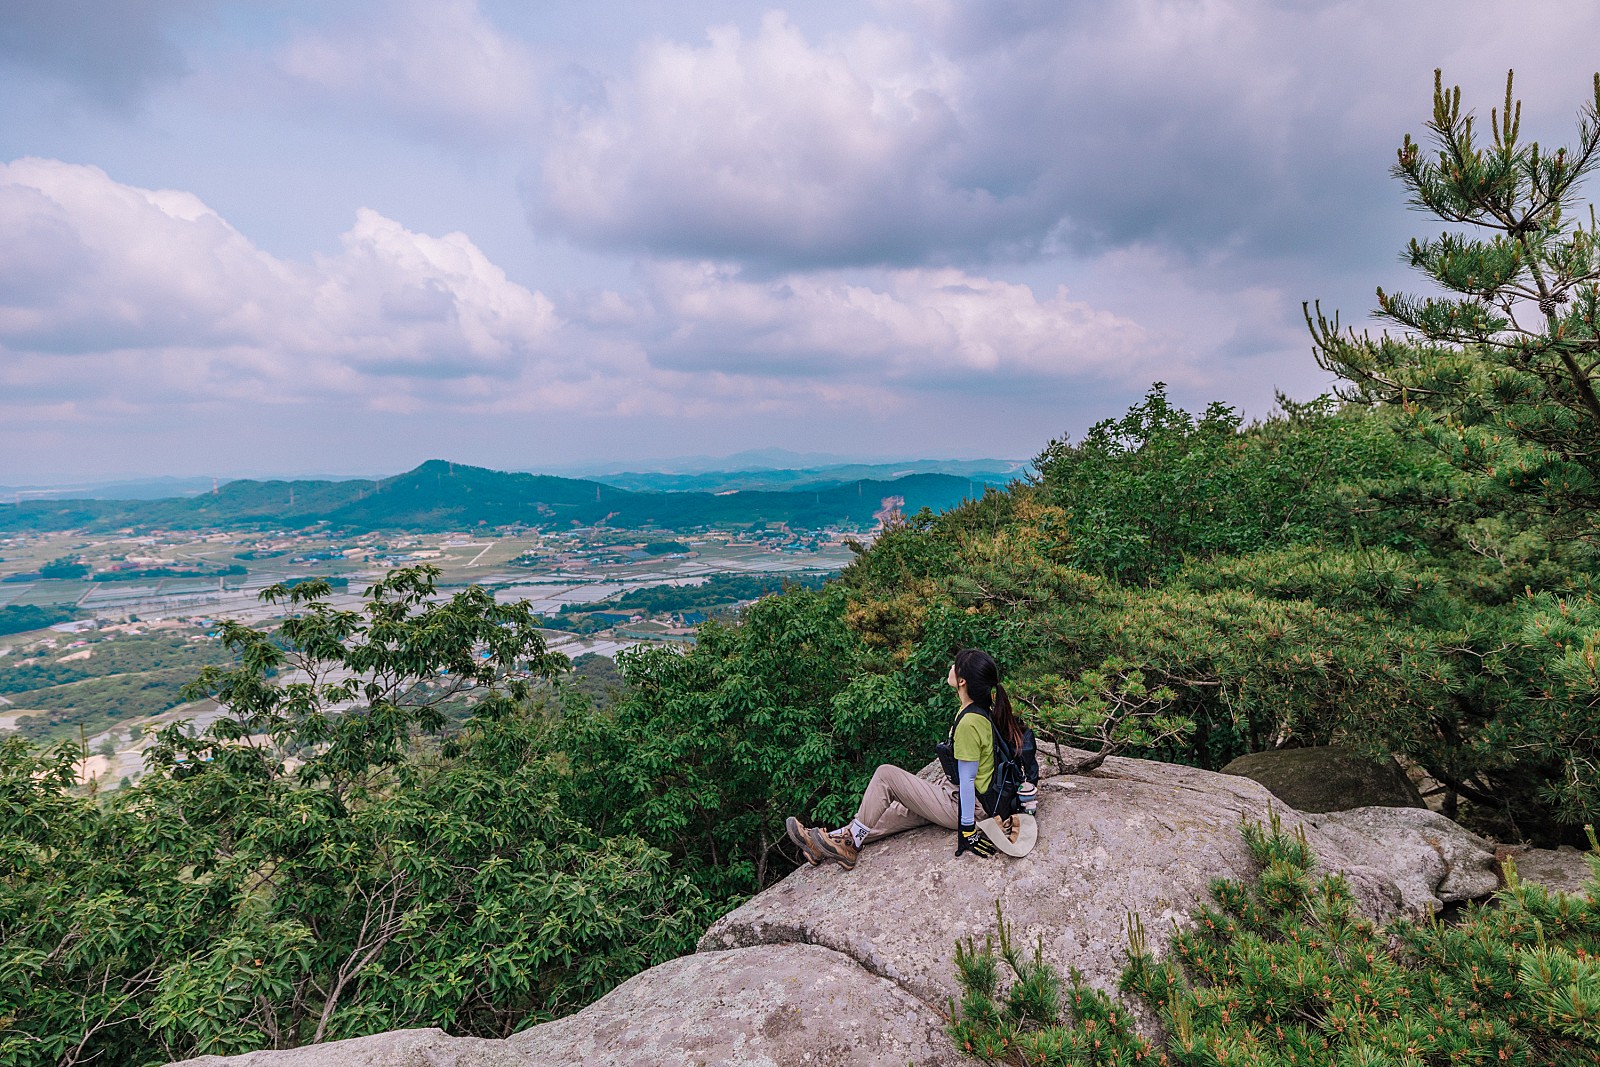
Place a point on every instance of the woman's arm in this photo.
(968, 837)
(968, 771)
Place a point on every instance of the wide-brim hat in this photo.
(1015, 836)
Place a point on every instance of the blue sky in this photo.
(348, 236)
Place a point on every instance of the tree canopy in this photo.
(410, 816)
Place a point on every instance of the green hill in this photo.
(439, 495)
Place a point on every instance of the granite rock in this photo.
(1431, 860)
(1132, 837)
(1564, 869)
(791, 1005)
(1329, 778)
(834, 968)
(777, 1006)
(430, 1047)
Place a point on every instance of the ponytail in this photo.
(982, 675)
(1004, 718)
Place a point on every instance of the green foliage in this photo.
(1107, 708)
(97, 703)
(1144, 494)
(145, 574)
(595, 681)
(339, 582)
(712, 747)
(20, 618)
(1285, 972)
(1496, 380)
(129, 677)
(315, 867)
(718, 589)
(1500, 375)
(65, 567)
(1036, 1018)
(126, 653)
(1199, 669)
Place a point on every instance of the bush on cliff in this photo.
(1286, 973)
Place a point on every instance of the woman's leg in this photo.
(898, 800)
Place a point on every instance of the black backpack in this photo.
(1011, 768)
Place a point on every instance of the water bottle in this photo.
(1028, 798)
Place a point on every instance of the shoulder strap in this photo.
(970, 709)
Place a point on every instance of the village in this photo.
(105, 631)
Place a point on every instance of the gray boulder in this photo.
(834, 968)
(1432, 861)
(780, 1006)
(791, 1005)
(430, 1047)
(1329, 778)
(1132, 837)
(1564, 869)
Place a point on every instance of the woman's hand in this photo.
(970, 839)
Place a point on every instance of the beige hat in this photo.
(1015, 836)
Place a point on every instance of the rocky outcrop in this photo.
(791, 1005)
(1564, 869)
(1134, 837)
(430, 1047)
(831, 968)
(1329, 778)
(787, 1005)
(1431, 860)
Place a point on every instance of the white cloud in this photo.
(819, 153)
(129, 294)
(913, 328)
(436, 65)
(1230, 131)
(116, 299)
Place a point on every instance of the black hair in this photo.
(982, 675)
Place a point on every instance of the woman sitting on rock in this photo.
(898, 800)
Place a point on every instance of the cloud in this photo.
(904, 328)
(116, 299)
(819, 154)
(112, 51)
(117, 294)
(438, 66)
(1233, 133)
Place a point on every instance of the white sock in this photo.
(857, 830)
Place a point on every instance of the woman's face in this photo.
(953, 681)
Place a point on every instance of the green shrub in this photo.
(1285, 972)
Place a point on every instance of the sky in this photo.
(345, 236)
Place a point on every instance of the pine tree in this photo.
(1502, 373)
(1285, 972)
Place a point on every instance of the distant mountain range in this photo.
(439, 496)
(979, 471)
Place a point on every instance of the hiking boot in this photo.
(839, 848)
(800, 835)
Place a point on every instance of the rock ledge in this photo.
(831, 968)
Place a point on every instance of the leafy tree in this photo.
(720, 742)
(1242, 607)
(20, 618)
(315, 866)
(1143, 495)
(65, 567)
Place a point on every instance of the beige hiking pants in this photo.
(898, 800)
